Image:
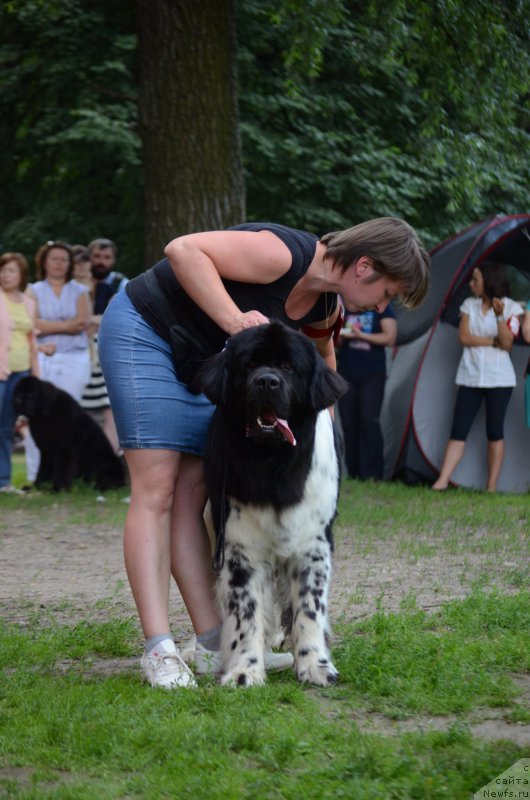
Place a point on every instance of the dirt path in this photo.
(73, 572)
(78, 567)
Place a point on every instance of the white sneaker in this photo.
(164, 667)
(8, 489)
(210, 662)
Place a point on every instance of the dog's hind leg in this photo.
(241, 596)
(310, 574)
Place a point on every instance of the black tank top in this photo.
(268, 298)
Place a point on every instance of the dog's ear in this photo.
(212, 377)
(326, 386)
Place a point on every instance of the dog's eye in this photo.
(286, 365)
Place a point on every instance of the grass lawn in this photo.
(401, 723)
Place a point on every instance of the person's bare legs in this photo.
(165, 532)
(452, 457)
(146, 540)
(191, 553)
(495, 459)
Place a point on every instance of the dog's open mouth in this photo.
(268, 425)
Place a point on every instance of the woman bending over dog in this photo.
(210, 286)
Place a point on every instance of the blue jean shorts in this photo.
(152, 408)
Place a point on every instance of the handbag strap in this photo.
(155, 290)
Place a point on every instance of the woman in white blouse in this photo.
(489, 323)
(63, 313)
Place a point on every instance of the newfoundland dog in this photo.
(71, 443)
(272, 473)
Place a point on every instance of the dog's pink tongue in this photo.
(283, 426)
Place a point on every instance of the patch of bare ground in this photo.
(74, 572)
(485, 723)
(69, 569)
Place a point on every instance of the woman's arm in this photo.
(467, 339)
(72, 326)
(323, 332)
(386, 338)
(33, 351)
(201, 260)
(327, 350)
(504, 335)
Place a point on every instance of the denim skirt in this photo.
(152, 408)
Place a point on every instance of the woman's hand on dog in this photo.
(246, 319)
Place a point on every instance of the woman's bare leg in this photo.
(147, 534)
(191, 554)
(495, 459)
(453, 456)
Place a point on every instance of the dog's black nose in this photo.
(268, 380)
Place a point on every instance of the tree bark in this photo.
(189, 121)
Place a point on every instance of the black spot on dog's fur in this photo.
(239, 576)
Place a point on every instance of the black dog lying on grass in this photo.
(71, 443)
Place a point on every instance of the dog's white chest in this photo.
(295, 527)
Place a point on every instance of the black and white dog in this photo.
(272, 472)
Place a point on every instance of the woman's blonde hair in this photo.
(395, 250)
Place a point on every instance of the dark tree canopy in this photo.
(70, 164)
(347, 110)
(414, 109)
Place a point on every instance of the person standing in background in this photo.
(18, 350)
(103, 254)
(489, 322)
(63, 315)
(361, 360)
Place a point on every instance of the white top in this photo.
(53, 308)
(487, 367)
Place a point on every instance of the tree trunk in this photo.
(189, 120)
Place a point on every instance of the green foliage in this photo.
(71, 152)
(349, 110)
(379, 126)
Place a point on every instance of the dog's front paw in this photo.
(244, 675)
(312, 668)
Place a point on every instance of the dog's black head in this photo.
(33, 397)
(268, 379)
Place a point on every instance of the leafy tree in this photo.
(71, 151)
(348, 110)
(379, 125)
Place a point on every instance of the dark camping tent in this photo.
(420, 390)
